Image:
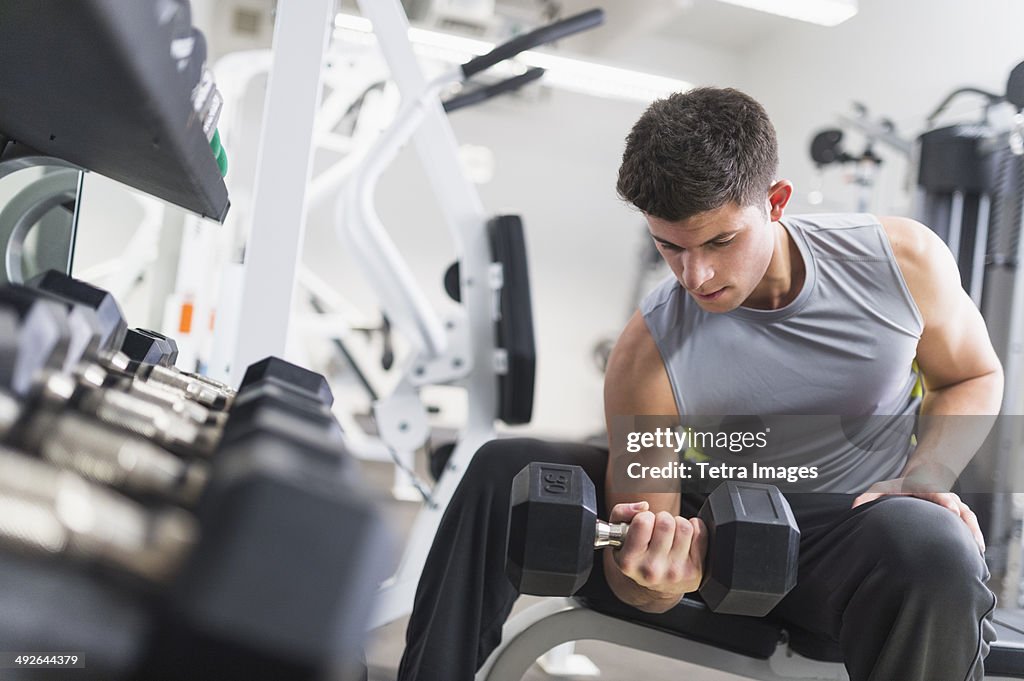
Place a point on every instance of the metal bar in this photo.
(956, 217)
(980, 249)
(283, 167)
(464, 213)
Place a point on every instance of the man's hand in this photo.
(903, 487)
(662, 552)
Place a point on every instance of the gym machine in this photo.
(970, 190)
(484, 343)
(827, 150)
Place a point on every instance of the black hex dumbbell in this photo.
(144, 347)
(553, 530)
(87, 357)
(55, 513)
(114, 341)
(34, 344)
(298, 380)
(152, 355)
(100, 452)
(272, 575)
(281, 582)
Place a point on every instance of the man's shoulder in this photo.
(859, 236)
(912, 243)
(924, 260)
(831, 222)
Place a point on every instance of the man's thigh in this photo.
(895, 540)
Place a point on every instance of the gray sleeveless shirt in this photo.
(843, 347)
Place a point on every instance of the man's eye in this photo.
(668, 247)
(722, 243)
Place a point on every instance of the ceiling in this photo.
(702, 22)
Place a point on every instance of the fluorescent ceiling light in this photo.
(822, 12)
(565, 73)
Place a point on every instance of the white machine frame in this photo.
(467, 335)
(527, 636)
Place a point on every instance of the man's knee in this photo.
(925, 546)
(498, 461)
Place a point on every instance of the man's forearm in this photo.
(955, 420)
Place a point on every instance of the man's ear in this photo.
(778, 197)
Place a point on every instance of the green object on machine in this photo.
(219, 153)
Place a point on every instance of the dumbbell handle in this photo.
(51, 511)
(610, 534)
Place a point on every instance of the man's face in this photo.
(719, 256)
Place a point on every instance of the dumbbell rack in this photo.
(268, 582)
(154, 556)
(88, 82)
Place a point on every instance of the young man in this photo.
(765, 315)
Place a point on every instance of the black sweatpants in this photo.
(899, 583)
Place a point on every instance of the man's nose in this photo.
(697, 272)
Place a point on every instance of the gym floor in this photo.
(385, 645)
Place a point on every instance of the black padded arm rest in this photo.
(692, 619)
(514, 329)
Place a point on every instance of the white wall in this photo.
(899, 58)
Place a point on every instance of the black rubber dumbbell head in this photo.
(172, 345)
(272, 392)
(109, 313)
(289, 376)
(278, 538)
(756, 545)
(318, 437)
(552, 521)
(143, 348)
(33, 337)
(84, 327)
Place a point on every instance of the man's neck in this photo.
(785, 275)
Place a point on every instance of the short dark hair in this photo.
(696, 151)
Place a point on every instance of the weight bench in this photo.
(755, 648)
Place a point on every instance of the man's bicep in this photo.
(636, 384)
(955, 345)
